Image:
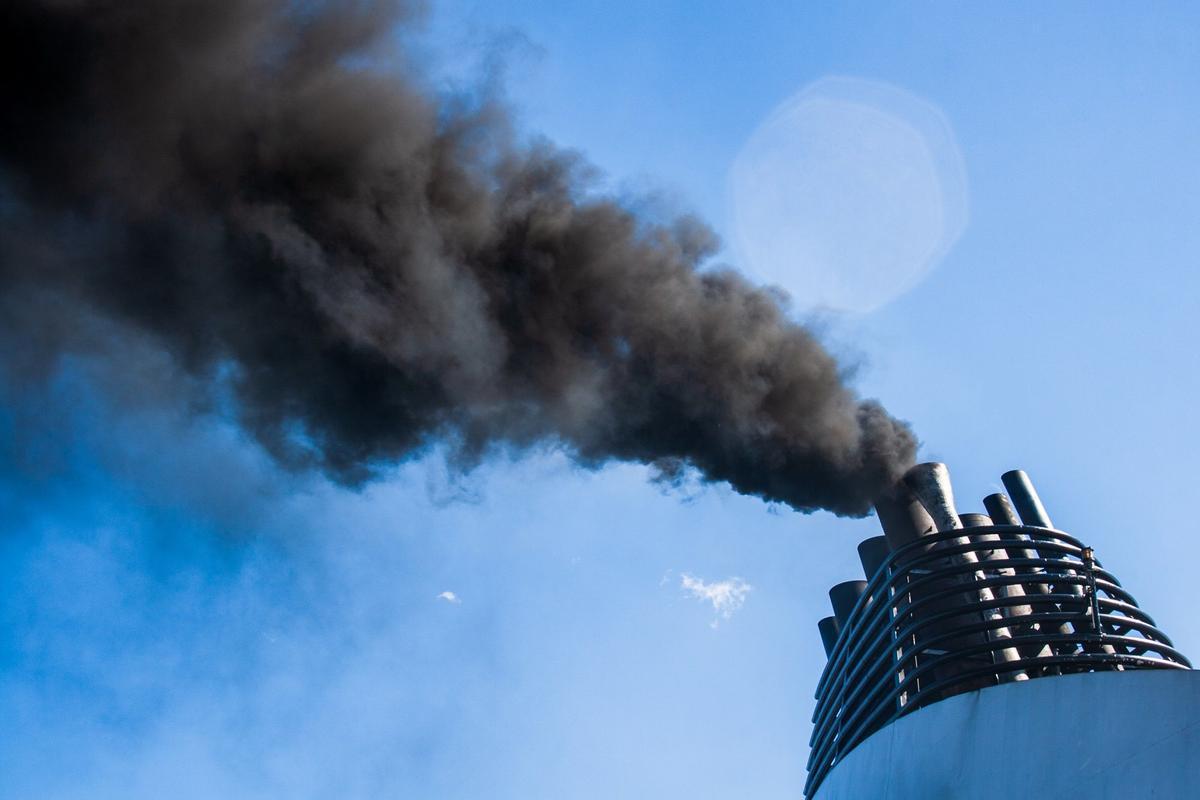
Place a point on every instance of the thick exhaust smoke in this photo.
(271, 191)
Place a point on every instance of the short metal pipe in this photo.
(843, 597)
(828, 626)
(1025, 498)
(1029, 505)
(873, 553)
(903, 519)
(930, 483)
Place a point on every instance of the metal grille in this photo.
(970, 608)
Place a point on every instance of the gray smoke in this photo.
(272, 192)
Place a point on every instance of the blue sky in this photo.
(178, 619)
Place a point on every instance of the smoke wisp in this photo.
(273, 193)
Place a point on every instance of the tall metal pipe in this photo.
(828, 626)
(904, 521)
(1003, 513)
(1000, 509)
(930, 482)
(844, 596)
(996, 554)
(1026, 499)
(1033, 512)
(873, 552)
(1009, 591)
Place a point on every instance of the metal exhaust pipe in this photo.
(930, 482)
(903, 519)
(1010, 591)
(1026, 499)
(844, 596)
(1033, 512)
(828, 626)
(1000, 509)
(873, 553)
(1002, 513)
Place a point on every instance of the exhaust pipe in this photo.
(1033, 512)
(873, 553)
(903, 519)
(930, 482)
(829, 629)
(1000, 509)
(1003, 513)
(996, 554)
(1026, 499)
(844, 596)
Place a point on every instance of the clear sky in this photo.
(178, 619)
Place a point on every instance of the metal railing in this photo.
(970, 608)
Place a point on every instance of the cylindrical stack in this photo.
(930, 482)
(1000, 509)
(921, 624)
(829, 634)
(904, 521)
(1002, 513)
(844, 596)
(1010, 591)
(1026, 499)
(873, 553)
(903, 518)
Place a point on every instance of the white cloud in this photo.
(449, 597)
(726, 596)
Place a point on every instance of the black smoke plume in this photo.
(273, 192)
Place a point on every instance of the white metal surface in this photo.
(1133, 734)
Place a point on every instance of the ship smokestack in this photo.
(961, 603)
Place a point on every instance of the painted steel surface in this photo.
(1099, 735)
